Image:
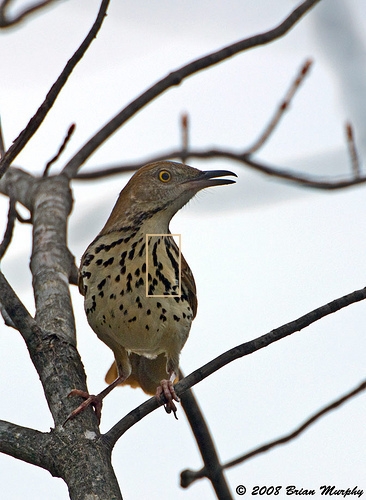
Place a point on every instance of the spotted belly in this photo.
(134, 301)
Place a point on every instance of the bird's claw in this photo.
(167, 390)
(90, 400)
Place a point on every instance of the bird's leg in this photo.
(92, 400)
(166, 388)
(124, 371)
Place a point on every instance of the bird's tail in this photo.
(146, 373)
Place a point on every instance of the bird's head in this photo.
(161, 189)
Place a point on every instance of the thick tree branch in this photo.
(52, 95)
(227, 357)
(54, 354)
(176, 77)
(16, 310)
(19, 184)
(23, 443)
(192, 476)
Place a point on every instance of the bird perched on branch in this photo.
(140, 294)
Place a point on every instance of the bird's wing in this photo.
(189, 284)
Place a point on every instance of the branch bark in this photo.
(24, 443)
(51, 342)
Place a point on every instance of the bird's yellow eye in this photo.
(165, 176)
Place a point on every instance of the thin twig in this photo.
(194, 475)
(355, 162)
(6, 23)
(2, 144)
(206, 446)
(243, 158)
(282, 108)
(61, 149)
(185, 135)
(176, 78)
(37, 119)
(227, 357)
(8, 234)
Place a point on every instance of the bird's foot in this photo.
(166, 388)
(90, 400)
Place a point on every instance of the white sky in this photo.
(276, 251)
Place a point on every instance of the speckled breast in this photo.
(133, 293)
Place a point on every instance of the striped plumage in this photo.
(131, 281)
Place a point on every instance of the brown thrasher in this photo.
(140, 294)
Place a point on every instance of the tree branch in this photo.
(6, 23)
(243, 158)
(206, 446)
(194, 475)
(176, 77)
(52, 95)
(281, 109)
(24, 443)
(12, 215)
(16, 310)
(227, 357)
(355, 162)
(49, 164)
(19, 184)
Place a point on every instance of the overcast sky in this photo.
(262, 252)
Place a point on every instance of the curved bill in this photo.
(211, 178)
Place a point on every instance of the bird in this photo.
(139, 292)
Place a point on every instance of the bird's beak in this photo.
(210, 178)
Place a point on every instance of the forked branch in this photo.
(36, 121)
(176, 77)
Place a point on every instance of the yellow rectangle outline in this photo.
(179, 264)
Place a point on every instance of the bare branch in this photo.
(61, 149)
(243, 158)
(185, 136)
(24, 443)
(206, 446)
(282, 108)
(176, 77)
(19, 184)
(192, 476)
(12, 215)
(292, 435)
(16, 310)
(355, 162)
(6, 22)
(36, 121)
(237, 352)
